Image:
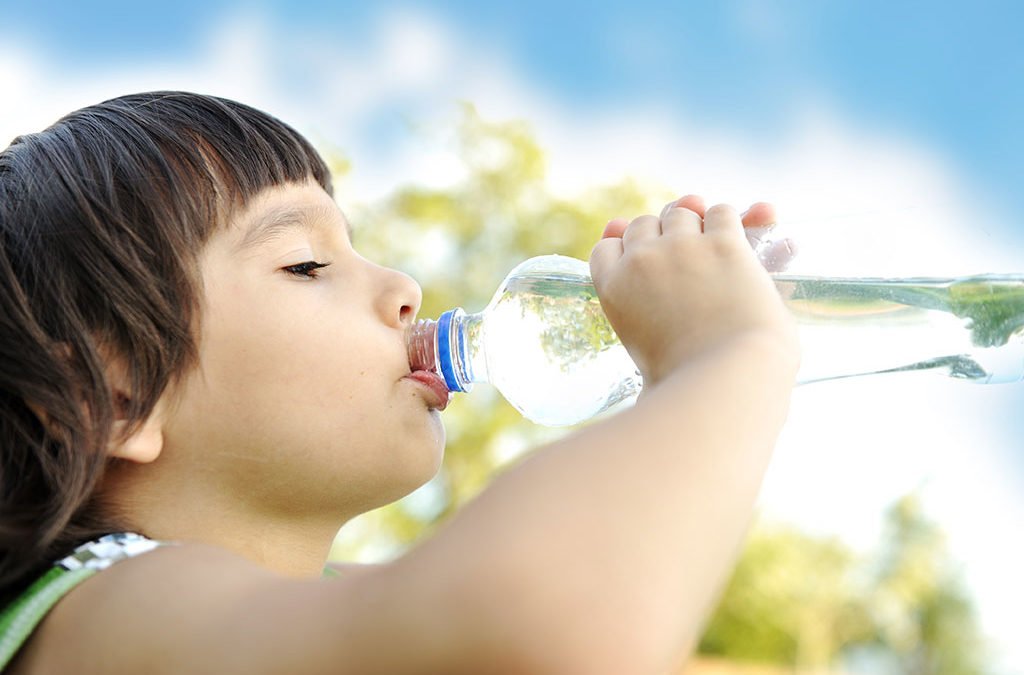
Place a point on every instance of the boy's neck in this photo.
(285, 543)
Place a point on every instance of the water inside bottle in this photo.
(968, 327)
(568, 365)
(552, 352)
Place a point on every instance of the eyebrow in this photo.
(283, 219)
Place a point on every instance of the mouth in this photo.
(438, 395)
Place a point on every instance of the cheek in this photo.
(290, 363)
(247, 336)
(278, 370)
(277, 350)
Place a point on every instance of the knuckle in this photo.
(720, 210)
(728, 247)
(600, 246)
(641, 258)
(681, 212)
(644, 221)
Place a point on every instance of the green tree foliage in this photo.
(922, 614)
(794, 599)
(811, 603)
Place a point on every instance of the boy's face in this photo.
(300, 401)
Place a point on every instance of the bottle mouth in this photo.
(422, 343)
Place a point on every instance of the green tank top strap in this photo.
(21, 617)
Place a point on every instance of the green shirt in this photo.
(20, 618)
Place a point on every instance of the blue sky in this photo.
(947, 73)
(891, 128)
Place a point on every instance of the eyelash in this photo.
(306, 270)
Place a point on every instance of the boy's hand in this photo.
(680, 285)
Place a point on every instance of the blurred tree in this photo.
(811, 603)
(923, 617)
(794, 599)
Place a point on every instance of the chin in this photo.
(409, 471)
(423, 473)
(398, 488)
(426, 446)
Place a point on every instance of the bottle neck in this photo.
(452, 347)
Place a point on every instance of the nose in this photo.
(400, 299)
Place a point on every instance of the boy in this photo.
(192, 351)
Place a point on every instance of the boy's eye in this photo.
(306, 270)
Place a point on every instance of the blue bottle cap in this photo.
(444, 351)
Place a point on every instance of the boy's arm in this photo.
(603, 552)
(598, 554)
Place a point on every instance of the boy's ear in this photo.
(145, 443)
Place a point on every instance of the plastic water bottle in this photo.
(545, 344)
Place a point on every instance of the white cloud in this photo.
(860, 200)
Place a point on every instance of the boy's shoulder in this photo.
(195, 608)
(127, 616)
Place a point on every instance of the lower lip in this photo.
(438, 395)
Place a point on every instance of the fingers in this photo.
(760, 214)
(616, 227)
(693, 202)
(721, 219)
(644, 227)
(681, 221)
(758, 222)
(603, 256)
(688, 215)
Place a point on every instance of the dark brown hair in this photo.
(102, 217)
